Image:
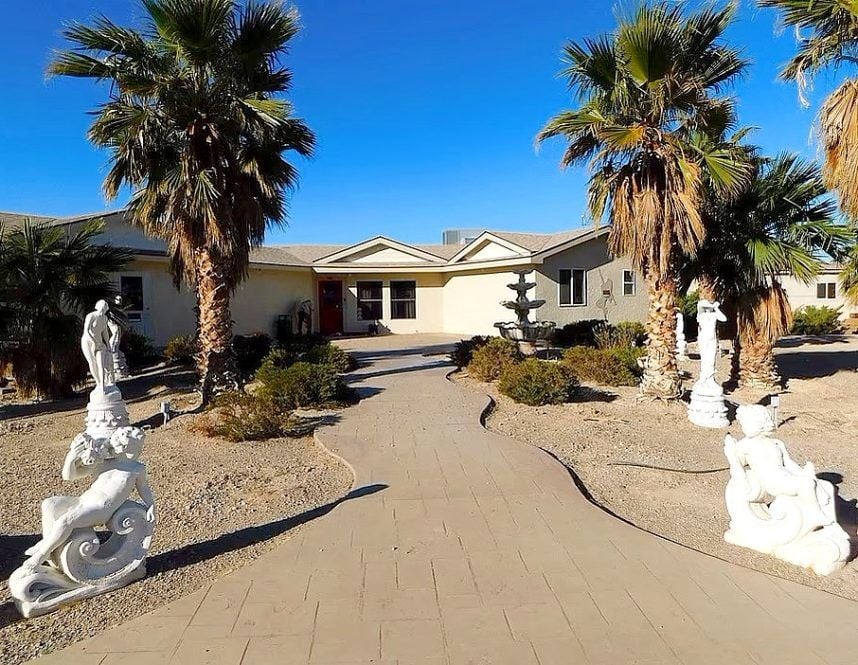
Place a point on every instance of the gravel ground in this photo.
(820, 417)
(204, 489)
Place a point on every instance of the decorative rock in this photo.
(70, 562)
(777, 507)
(681, 343)
(707, 408)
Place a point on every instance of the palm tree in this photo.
(828, 37)
(196, 126)
(783, 223)
(642, 92)
(47, 282)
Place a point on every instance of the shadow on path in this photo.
(229, 542)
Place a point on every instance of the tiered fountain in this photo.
(524, 332)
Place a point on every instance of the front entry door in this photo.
(331, 307)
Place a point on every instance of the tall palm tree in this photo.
(47, 283)
(196, 126)
(783, 223)
(828, 37)
(642, 92)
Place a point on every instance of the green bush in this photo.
(611, 367)
(490, 360)
(812, 320)
(181, 349)
(578, 333)
(330, 354)
(138, 349)
(537, 382)
(464, 350)
(250, 351)
(300, 385)
(317, 352)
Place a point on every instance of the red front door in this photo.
(331, 307)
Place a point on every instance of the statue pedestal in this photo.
(707, 407)
(105, 413)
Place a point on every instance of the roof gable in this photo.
(489, 247)
(382, 251)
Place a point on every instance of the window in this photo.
(403, 300)
(131, 290)
(628, 282)
(369, 301)
(573, 287)
(826, 290)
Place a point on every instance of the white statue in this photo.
(707, 408)
(69, 562)
(114, 326)
(776, 506)
(681, 343)
(95, 344)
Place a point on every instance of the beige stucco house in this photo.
(824, 290)
(453, 287)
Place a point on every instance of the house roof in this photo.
(524, 246)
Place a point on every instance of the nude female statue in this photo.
(95, 344)
(708, 315)
(118, 474)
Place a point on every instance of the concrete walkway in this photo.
(468, 548)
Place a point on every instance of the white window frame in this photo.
(395, 300)
(826, 285)
(633, 282)
(359, 300)
(572, 302)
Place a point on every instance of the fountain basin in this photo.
(526, 334)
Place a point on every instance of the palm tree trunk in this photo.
(215, 363)
(706, 289)
(661, 372)
(756, 360)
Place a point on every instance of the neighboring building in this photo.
(456, 287)
(824, 290)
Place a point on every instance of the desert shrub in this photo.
(537, 382)
(634, 331)
(250, 351)
(181, 349)
(812, 320)
(578, 333)
(687, 304)
(464, 350)
(300, 385)
(330, 354)
(611, 367)
(138, 349)
(237, 416)
(490, 360)
(318, 352)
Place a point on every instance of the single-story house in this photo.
(825, 290)
(456, 286)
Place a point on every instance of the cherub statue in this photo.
(95, 344)
(118, 473)
(775, 505)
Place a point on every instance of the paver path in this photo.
(479, 550)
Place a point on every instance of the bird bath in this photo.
(524, 332)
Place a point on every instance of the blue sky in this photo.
(425, 113)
